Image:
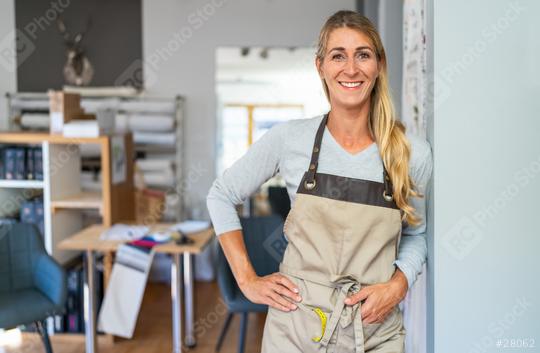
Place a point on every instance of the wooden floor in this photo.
(153, 331)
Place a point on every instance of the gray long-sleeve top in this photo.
(286, 149)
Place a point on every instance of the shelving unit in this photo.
(21, 184)
(82, 200)
(62, 194)
(66, 204)
(21, 104)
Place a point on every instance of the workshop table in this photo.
(88, 240)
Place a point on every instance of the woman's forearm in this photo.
(235, 251)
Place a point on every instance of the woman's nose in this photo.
(351, 68)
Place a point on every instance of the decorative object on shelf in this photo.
(78, 70)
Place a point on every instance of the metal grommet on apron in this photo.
(343, 235)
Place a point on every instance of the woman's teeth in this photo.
(350, 84)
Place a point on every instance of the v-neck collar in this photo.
(343, 150)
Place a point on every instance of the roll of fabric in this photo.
(35, 120)
(150, 164)
(103, 91)
(89, 150)
(22, 103)
(93, 105)
(149, 106)
(154, 138)
(157, 123)
(159, 179)
(121, 122)
(161, 155)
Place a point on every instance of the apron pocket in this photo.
(316, 320)
(390, 321)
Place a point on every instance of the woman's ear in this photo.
(379, 67)
(318, 66)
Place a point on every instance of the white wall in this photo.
(390, 25)
(193, 30)
(487, 175)
(8, 67)
(430, 263)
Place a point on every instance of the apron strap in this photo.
(310, 180)
(312, 170)
(346, 318)
(388, 188)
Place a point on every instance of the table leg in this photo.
(176, 303)
(90, 302)
(188, 295)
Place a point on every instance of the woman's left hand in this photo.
(379, 298)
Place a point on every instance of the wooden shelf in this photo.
(39, 137)
(21, 184)
(83, 200)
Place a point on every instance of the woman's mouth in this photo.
(351, 85)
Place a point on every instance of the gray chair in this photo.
(32, 284)
(264, 243)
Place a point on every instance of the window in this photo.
(243, 124)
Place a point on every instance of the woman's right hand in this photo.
(272, 290)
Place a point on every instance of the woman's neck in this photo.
(350, 127)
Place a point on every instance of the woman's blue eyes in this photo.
(359, 55)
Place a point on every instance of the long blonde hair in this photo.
(389, 133)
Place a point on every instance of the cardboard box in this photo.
(63, 107)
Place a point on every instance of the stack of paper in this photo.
(81, 128)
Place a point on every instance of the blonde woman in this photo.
(356, 230)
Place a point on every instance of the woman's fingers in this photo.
(275, 289)
(352, 299)
(373, 319)
(286, 292)
(281, 303)
(357, 297)
(284, 281)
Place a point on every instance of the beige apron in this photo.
(343, 235)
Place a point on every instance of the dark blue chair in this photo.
(32, 284)
(279, 200)
(265, 245)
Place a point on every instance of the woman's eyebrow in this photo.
(357, 49)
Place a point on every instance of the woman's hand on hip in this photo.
(379, 300)
(272, 290)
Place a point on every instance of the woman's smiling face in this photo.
(350, 67)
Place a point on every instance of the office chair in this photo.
(264, 243)
(32, 284)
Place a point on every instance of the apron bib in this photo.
(343, 235)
